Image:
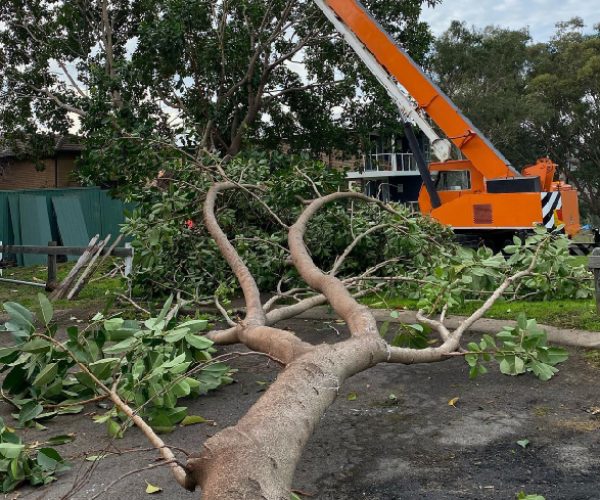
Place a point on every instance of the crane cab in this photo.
(472, 204)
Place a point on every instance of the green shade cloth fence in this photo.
(70, 216)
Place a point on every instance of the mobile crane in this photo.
(480, 195)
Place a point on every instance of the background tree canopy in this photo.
(146, 81)
(193, 74)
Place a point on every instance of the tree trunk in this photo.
(256, 458)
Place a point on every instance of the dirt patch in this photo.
(411, 445)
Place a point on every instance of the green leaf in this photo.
(522, 321)
(19, 315)
(176, 335)
(554, 355)
(519, 366)
(8, 354)
(352, 396)
(17, 471)
(542, 370)
(122, 346)
(114, 429)
(36, 345)
(49, 459)
(523, 443)
(46, 375)
(195, 325)
(193, 419)
(165, 309)
(46, 306)
(182, 389)
(524, 496)
(473, 347)
(70, 410)
(11, 450)
(29, 411)
(103, 368)
(471, 359)
(62, 439)
(138, 369)
(489, 342)
(198, 342)
(505, 367)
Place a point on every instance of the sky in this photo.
(540, 16)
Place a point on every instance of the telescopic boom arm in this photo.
(391, 65)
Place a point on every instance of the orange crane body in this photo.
(492, 194)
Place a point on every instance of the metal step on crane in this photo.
(481, 196)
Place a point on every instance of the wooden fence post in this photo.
(52, 269)
(594, 265)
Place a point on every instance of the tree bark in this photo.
(256, 458)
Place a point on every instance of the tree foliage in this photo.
(197, 74)
(174, 249)
(35, 463)
(152, 364)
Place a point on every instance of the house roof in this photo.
(62, 144)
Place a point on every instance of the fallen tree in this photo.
(257, 457)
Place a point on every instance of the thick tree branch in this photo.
(255, 315)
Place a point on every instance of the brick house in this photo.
(54, 171)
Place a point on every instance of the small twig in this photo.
(223, 312)
(443, 313)
(311, 182)
(337, 332)
(172, 462)
(8, 400)
(340, 260)
(175, 309)
(133, 303)
(77, 403)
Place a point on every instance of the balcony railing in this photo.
(390, 162)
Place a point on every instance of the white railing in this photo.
(390, 162)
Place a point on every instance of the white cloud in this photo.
(540, 16)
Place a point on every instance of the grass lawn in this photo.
(579, 314)
(94, 293)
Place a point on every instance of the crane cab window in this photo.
(453, 180)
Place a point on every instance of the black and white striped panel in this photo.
(550, 203)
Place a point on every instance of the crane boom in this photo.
(408, 110)
(387, 60)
